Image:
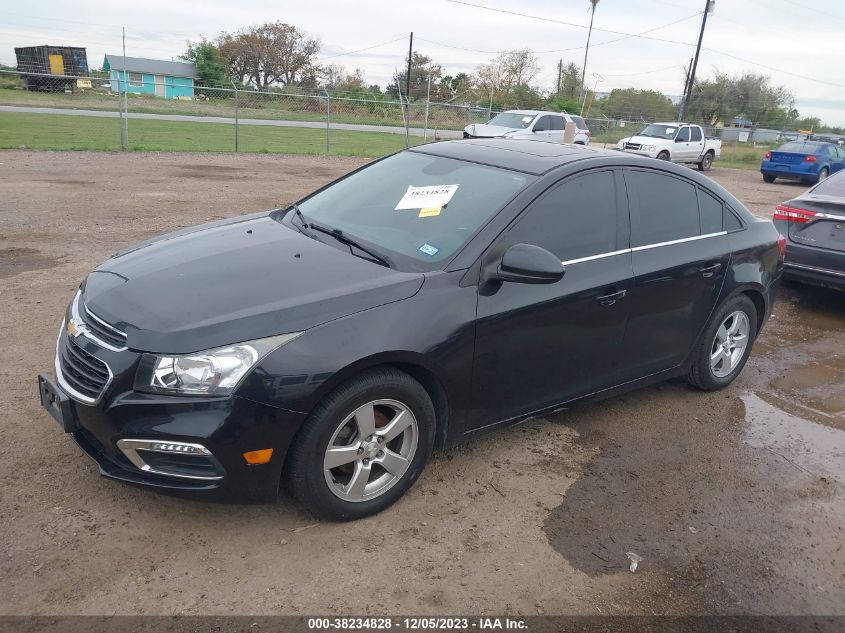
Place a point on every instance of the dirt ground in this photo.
(734, 500)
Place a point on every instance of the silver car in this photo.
(537, 125)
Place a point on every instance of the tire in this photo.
(738, 311)
(368, 402)
(768, 178)
(706, 162)
(823, 174)
(664, 155)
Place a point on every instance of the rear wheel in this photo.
(725, 345)
(363, 446)
(824, 173)
(706, 162)
(768, 178)
(664, 155)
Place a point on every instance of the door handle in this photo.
(609, 300)
(709, 271)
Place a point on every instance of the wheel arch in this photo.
(414, 364)
(758, 298)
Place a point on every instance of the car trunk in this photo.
(788, 158)
(820, 232)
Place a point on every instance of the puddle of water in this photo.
(18, 260)
(820, 384)
(811, 447)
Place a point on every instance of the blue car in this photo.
(807, 161)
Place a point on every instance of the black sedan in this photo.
(814, 225)
(431, 295)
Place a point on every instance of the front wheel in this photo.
(725, 345)
(363, 446)
(706, 162)
(664, 155)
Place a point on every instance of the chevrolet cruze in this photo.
(418, 301)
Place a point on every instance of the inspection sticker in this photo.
(426, 197)
(428, 249)
(429, 212)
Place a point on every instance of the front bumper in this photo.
(226, 427)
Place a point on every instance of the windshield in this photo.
(660, 131)
(418, 206)
(513, 120)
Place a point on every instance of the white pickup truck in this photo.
(677, 142)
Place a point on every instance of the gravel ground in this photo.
(734, 499)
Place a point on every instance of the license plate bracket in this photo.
(57, 404)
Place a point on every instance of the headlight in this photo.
(213, 372)
(649, 148)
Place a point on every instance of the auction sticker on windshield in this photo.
(426, 197)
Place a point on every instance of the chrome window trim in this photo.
(815, 269)
(642, 248)
(130, 448)
(60, 378)
(85, 330)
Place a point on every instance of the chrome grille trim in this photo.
(67, 386)
(90, 331)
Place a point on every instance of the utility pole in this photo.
(124, 128)
(587, 50)
(559, 71)
(408, 78)
(691, 80)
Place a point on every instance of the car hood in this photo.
(483, 130)
(234, 281)
(642, 140)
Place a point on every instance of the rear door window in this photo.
(711, 213)
(575, 219)
(695, 133)
(558, 123)
(663, 208)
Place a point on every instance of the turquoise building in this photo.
(169, 80)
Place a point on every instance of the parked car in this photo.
(429, 296)
(532, 125)
(676, 142)
(814, 225)
(807, 161)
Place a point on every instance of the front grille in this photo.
(634, 146)
(103, 331)
(82, 372)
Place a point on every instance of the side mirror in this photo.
(529, 264)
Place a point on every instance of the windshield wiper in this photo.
(340, 237)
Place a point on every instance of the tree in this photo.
(749, 96)
(421, 67)
(570, 81)
(335, 77)
(211, 68)
(631, 103)
(451, 87)
(506, 73)
(274, 53)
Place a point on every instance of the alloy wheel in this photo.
(729, 344)
(370, 450)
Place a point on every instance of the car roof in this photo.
(533, 157)
(534, 112)
(809, 144)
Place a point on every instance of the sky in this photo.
(799, 45)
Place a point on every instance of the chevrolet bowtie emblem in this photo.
(73, 329)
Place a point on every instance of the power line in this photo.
(572, 24)
(367, 48)
(814, 10)
(571, 48)
(777, 70)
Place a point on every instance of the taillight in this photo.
(792, 214)
(810, 159)
(768, 156)
(782, 247)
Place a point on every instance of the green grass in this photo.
(64, 132)
(251, 106)
(741, 157)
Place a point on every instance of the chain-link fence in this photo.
(111, 110)
(170, 114)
